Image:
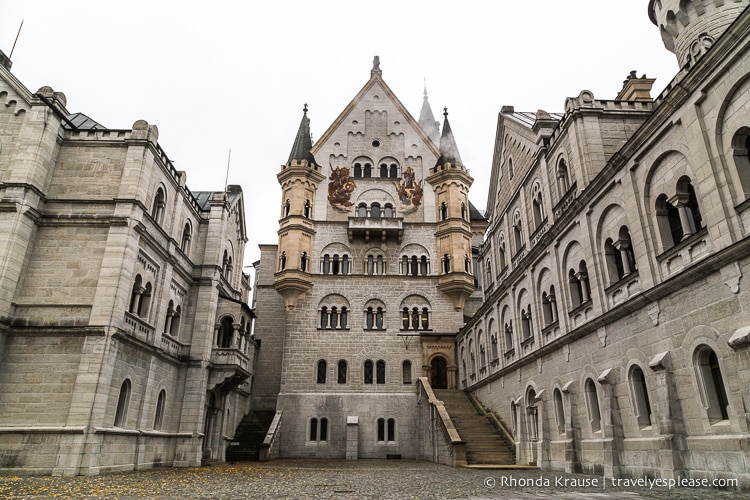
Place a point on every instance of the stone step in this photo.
(483, 443)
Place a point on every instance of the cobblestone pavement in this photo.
(360, 479)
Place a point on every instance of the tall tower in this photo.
(451, 183)
(299, 179)
(690, 27)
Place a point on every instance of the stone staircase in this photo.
(249, 436)
(485, 444)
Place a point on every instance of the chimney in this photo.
(636, 89)
(5, 62)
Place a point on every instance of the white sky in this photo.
(223, 75)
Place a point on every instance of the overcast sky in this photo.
(221, 75)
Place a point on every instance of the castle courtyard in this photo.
(360, 479)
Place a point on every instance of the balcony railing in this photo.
(565, 202)
(138, 328)
(376, 227)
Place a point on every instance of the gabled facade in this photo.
(124, 329)
(372, 269)
(613, 337)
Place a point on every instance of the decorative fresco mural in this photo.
(409, 191)
(340, 188)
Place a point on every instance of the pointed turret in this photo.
(451, 183)
(448, 148)
(303, 141)
(299, 179)
(427, 120)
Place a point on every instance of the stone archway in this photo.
(439, 373)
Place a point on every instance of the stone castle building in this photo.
(614, 334)
(597, 311)
(368, 284)
(125, 334)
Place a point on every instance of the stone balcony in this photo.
(136, 327)
(231, 366)
(376, 228)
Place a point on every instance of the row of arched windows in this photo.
(386, 170)
(373, 264)
(317, 430)
(123, 404)
(375, 211)
(372, 372)
(707, 372)
(140, 303)
(158, 208)
(231, 335)
(306, 209)
(337, 318)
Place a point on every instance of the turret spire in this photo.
(448, 148)
(427, 119)
(303, 141)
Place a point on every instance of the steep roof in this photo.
(448, 147)
(427, 119)
(376, 79)
(303, 141)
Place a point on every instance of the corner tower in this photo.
(451, 183)
(690, 27)
(299, 179)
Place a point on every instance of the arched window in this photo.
(380, 372)
(375, 211)
(463, 212)
(467, 264)
(174, 330)
(592, 403)
(368, 170)
(393, 171)
(341, 372)
(303, 262)
(517, 233)
(639, 393)
(563, 180)
(741, 153)
(123, 401)
(368, 372)
(323, 429)
(159, 414)
(160, 203)
(357, 170)
(314, 429)
(508, 329)
(388, 212)
(423, 269)
(383, 170)
(493, 343)
(526, 322)
(282, 261)
(362, 210)
(559, 411)
(345, 264)
(501, 252)
(135, 294)
(406, 372)
(145, 301)
(532, 415)
(326, 264)
(186, 236)
(443, 211)
(711, 382)
(446, 264)
(679, 217)
(320, 374)
(549, 307)
(381, 430)
(307, 210)
(324, 317)
(226, 332)
(538, 210)
(287, 208)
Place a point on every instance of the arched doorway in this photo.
(439, 373)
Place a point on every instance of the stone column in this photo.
(670, 461)
(611, 424)
(352, 437)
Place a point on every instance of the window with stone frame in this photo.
(678, 217)
(639, 397)
(318, 430)
(711, 383)
(321, 371)
(123, 402)
(159, 413)
(341, 372)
